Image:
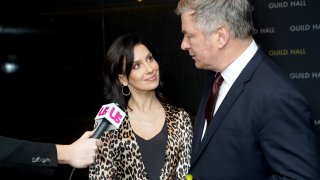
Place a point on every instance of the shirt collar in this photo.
(233, 70)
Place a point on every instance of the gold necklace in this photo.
(148, 124)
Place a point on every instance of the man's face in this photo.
(200, 47)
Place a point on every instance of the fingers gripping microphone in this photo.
(109, 117)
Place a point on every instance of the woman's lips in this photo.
(152, 78)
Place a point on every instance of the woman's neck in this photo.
(145, 104)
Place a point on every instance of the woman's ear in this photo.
(123, 79)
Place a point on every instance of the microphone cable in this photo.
(71, 174)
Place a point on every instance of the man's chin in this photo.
(198, 66)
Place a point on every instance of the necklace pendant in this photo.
(146, 124)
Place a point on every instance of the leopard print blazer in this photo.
(119, 156)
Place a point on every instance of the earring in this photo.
(125, 90)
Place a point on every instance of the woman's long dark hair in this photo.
(119, 60)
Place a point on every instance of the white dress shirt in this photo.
(231, 73)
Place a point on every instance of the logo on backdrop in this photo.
(286, 4)
(286, 52)
(304, 27)
(305, 75)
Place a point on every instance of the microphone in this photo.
(109, 117)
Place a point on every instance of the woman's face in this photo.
(144, 75)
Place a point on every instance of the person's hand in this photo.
(81, 153)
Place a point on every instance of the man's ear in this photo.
(123, 79)
(223, 36)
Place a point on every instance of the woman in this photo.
(154, 141)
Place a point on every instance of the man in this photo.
(261, 126)
(38, 157)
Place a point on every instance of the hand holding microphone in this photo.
(109, 117)
(79, 154)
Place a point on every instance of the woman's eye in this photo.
(135, 66)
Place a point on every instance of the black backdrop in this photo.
(289, 32)
(57, 90)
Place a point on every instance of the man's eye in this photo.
(150, 58)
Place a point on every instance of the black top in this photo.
(153, 152)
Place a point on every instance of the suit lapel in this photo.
(231, 97)
(199, 123)
(234, 92)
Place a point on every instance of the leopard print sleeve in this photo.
(105, 166)
(178, 151)
(185, 145)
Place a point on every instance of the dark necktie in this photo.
(213, 97)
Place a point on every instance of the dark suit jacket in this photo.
(25, 156)
(263, 129)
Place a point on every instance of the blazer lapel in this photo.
(232, 95)
(234, 92)
(199, 122)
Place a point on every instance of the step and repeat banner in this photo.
(289, 32)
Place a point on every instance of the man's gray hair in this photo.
(208, 15)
